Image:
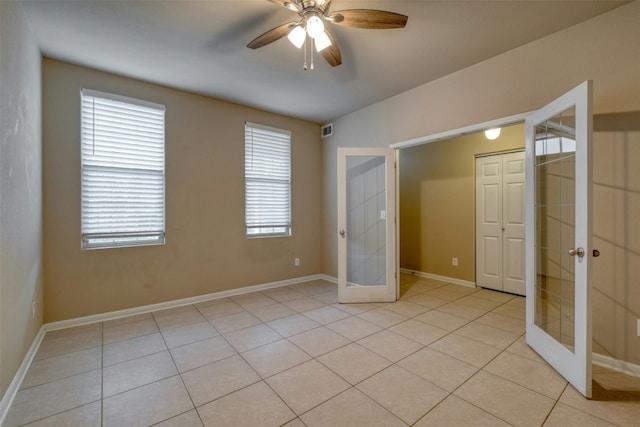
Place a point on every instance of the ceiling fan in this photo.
(311, 25)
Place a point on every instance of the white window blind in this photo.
(122, 171)
(267, 158)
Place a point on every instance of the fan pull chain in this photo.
(304, 47)
(311, 52)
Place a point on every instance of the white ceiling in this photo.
(200, 46)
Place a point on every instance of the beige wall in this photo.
(616, 233)
(603, 49)
(437, 202)
(206, 249)
(20, 190)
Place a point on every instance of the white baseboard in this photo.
(441, 278)
(13, 388)
(616, 364)
(328, 278)
(78, 321)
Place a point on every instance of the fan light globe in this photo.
(297, 36)
(322, 41)
(315, 27)
(492, 133)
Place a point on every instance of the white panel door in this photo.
(489, 222)
(558, 234)
(513, 208)
(500, 251)
(366, 225)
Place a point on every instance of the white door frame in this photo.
(353, 293)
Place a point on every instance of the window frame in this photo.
(111, 240)
(288, 229)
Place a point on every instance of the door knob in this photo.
(574, 252)
(596, 253)
(342, 233)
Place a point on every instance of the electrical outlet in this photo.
(454, 262)
(33, 309)
(296, 262)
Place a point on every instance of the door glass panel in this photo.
(555, 150)
(366, 221)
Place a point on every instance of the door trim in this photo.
(453, 133)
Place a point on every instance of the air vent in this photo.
(327, 130)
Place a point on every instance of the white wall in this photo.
(20, 190)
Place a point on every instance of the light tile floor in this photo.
(444, 355)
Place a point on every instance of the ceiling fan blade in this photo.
(368, 18)
(272, 35)
(323, 5)
(332, 53)
(293, 5)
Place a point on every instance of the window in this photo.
(122, 171)
(267, 174)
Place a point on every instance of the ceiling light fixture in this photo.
(314, 28)
(492, 133)
(297, 36)
(322, 41)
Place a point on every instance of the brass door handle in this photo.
(574, 252)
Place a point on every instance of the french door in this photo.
(366, 225)
(558, 234)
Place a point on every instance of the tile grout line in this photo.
(478, 369)
(67, 377)
(168, 350)
(555, 403)
(451, 393)
(102, 374)
(314, 358)
(264, 379)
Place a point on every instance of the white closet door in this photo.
(500, 250)
(513, 207)
(489, 222)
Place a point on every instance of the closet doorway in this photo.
(500, 226)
